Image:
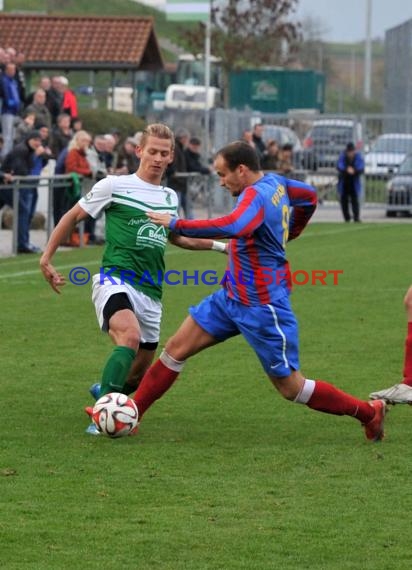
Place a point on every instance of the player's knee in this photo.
(175, 348)
(129, 338)
(133, 339)
(286, 389)
(290, 386)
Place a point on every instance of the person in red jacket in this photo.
(76, 160)
(69, 103)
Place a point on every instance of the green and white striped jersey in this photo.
(135, 246)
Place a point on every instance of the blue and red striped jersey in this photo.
(268, 214)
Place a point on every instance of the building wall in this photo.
(398, 64)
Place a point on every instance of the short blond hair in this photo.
(75, 142)
(158, 130)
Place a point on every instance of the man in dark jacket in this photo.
(192, 154)
(350, 168)
(179, 167)
(24, 160)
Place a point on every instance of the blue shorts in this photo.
(271, 330)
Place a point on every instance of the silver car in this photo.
(387, 153)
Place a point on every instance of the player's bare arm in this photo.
(197, 243)
(58, 235)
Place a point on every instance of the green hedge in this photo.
(100, 121)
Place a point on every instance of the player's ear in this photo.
(172, 156)
(138, 151)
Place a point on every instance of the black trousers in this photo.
(350, 195)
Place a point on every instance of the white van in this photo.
(191, 97)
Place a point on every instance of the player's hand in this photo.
(53, 277)
(161, 219)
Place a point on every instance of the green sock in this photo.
(116, 369)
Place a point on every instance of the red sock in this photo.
(157, 380)
(407, 370)
(326, 398)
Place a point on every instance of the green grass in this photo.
(224, 473)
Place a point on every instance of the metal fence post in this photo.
(50, 206)
(16, 194)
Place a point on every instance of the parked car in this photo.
(282, 135)
(387, 153)
(399, 189)
(327, 139)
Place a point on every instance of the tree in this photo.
(312, 48)
(248, 33)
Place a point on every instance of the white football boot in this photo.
(397, 394)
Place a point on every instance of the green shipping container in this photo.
(276, 90)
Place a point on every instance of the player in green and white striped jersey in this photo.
(127, 291)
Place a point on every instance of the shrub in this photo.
(99, 121)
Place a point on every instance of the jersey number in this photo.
(285, 224)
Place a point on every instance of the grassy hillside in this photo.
(170, 30)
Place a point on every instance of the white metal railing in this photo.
(51, 184)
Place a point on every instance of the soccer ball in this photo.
(115, 415)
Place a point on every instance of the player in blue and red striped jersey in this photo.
(270, 211)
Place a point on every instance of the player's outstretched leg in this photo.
(324, 397)
(401, 393)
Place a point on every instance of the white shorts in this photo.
(148, 311)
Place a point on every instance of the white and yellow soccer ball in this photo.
(115, 415)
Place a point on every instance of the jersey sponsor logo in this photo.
(168, 198)
(152, 235)
(88, 196)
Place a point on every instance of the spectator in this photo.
(350, 168)
(21, 76)
(69, 103)
(54, 99)
(44, 84)
(76, 163)
(271, 160)
(77, 125)
(61, 199)
(247, 137)
(25, 159)
(285, 165)
(257, 137)
(76, 160)
(11, 104)
(127, 160)
(116, 134)
(110, 154)
(61, 134)
(5, 177)
(2, 59)
(96, 155)
(179, 167)
(23, 126)
(44, 135)
(192, 154)
(39, 107)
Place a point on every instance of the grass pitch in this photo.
(224, 473)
